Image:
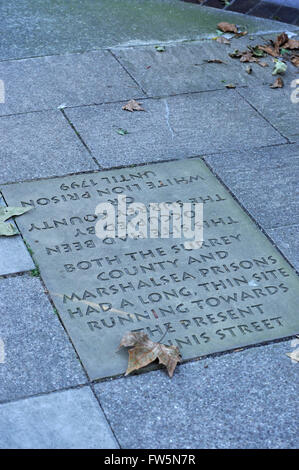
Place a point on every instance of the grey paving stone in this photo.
(38, 355)
(45, 27)
(245, 399)
(175, 127)
(265, 181)
(182, 68)
(287, 240)
(40, 145)
(14, 257)
(63, 420)
(276, 106)
(70, 79)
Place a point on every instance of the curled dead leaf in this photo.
(227, 27)
(281, 40)
(132, 105)
(278, 83)
(144, 351)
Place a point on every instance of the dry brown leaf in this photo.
(248, 57)
(227, 27)
(292, 44)
(132, 105)
(263, 64)
(295, 60)
(144, 351)
(270, 50)
(223, 40)
(278, 83)
(214, 61)
(281, 40)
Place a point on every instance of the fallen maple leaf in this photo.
(227, 27)
(132, 105)
(278, 83)
(144, 351)
(6, 213)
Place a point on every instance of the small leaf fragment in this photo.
(263, 64)
(227, 27)
(294, 355)
(132, 105)
(278, 83)
(160, 48)
(214, 61)
(295, 60)
(230, 85)
(236, 54)
(222, 40)
(121, 131)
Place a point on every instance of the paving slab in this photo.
(245, 399)
(183, 68)
(265, 181)
(233, 291)
(14, 256)
(279, 106)
(287, 239)
(38, 357)
(71, 419)
(37, 145)
(68, 80)
(173, 127)
(47, 28)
